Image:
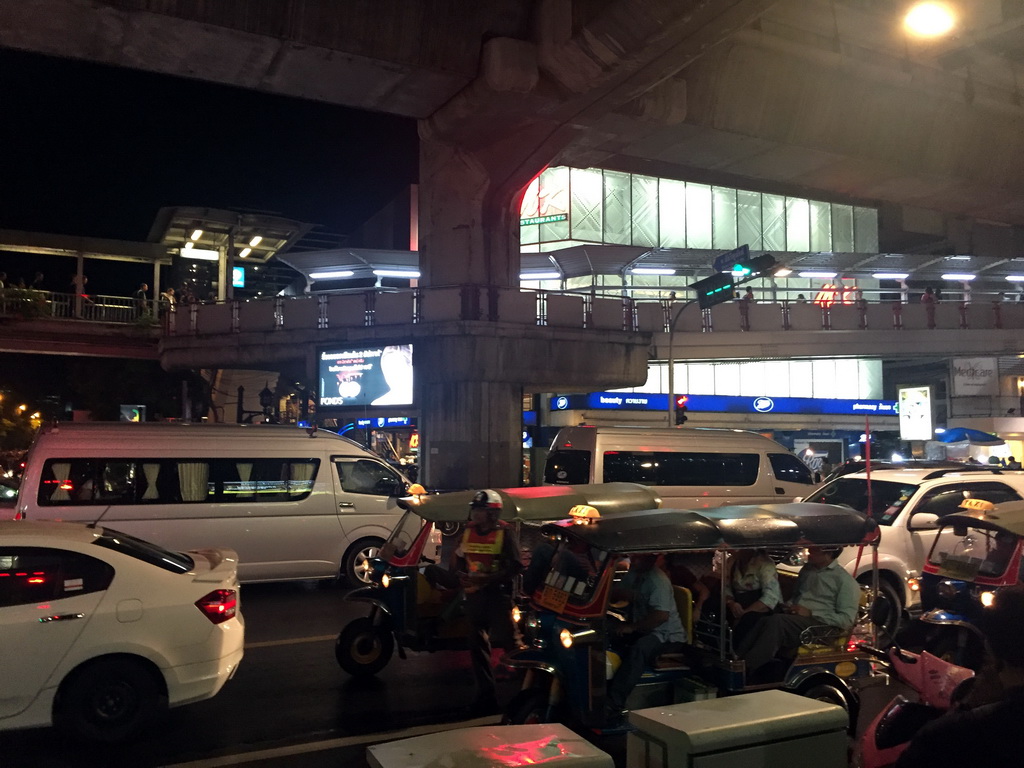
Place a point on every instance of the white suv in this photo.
(906, 504)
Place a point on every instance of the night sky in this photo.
(96, 151)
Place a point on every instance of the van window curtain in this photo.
(192, 480)
(61, 473)
(152, 472)
(300, 476)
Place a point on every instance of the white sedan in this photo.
(102, 631)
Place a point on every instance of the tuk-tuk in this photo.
(406, 611)
(977, 552)
(571, 655)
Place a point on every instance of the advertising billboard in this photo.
(915, 405)
(366, 376)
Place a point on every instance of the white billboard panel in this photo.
(915, 405)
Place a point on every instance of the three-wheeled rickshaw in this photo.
(406, 612)
(977, 552)
(571, 655)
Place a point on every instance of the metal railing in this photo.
(29, 304)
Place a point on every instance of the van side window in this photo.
(679, 468)
(76, 482)
(369, 477)
(790, 469)
(565, 467)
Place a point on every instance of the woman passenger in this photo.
(751, 590)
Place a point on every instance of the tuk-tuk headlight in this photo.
(517, 615)
(567, 637)
(947, 590)
(385, 580)
(987, 598)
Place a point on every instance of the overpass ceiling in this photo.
(827, 98)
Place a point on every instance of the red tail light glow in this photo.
(219, 606)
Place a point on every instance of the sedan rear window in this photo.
(887, 498)
(175, 562)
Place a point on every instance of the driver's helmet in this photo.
(487, 500)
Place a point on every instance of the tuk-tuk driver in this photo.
(825, 594)
(654, 627)
(486, 560)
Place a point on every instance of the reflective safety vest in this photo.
(482, 551)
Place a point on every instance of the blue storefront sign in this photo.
(629, 401)
(389, 421)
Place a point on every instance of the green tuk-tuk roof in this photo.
(539, 503)
(1008, 516)
(733, 527)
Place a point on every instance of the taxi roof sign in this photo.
(977, 504)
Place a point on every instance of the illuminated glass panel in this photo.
(616, 208)
(821, 226)
(842, 228)
(773, 218)
(798, 225)
(645, 211)
(698, 216)
(724, 218)
(586, 209)
(672, 213)
(748, 219)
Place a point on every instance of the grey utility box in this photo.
(764, 729)
(491, 746)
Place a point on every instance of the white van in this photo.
(691, 468)
(293, 506)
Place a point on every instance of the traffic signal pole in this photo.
(672, 320)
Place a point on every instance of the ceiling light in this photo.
(783, 272)
(244, 252)
(929, 19)
(201, 253)
(539, 275)
(409, 274)
(958, 276)
(652, 271)
(890, 275)
(256, 240)
(331, 274)
(958, 258)
(189, 244)
(196, 234)
(822, 275)
(1015, 278)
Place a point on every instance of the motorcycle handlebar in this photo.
(903, 656)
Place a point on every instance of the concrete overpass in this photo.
(815, 97)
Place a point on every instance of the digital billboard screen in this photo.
(366, 376)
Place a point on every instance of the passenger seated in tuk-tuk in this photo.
(680, 573)
(751, 590)
(654, 626)
(825, 595)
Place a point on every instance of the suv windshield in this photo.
(962, 555)
(887, 498)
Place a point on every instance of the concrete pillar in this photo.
(474, 434)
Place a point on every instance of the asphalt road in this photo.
(290, 704)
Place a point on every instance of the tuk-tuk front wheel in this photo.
(528, 707)
(364, 648)
(831, 692)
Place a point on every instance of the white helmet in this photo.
(487, 499)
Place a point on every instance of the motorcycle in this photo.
(938, 684)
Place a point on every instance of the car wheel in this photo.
(887, 609)
(355, 569)
(364, 648)
(529, 706)
(108, 700)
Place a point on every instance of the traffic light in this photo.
(714, 290)
(753, 267)
(681, 409)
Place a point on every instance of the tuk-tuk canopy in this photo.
(1008, 516)
(733, 527)
(538, 503)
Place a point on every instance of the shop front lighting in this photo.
(202, 254)
(408, 274)
(1015, 278)
(890, 275)
(539, 275)
(331, 274)
(961, 276)
(819, 275)
(652, 271)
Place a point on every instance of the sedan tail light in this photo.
(219, 606)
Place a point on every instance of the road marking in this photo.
(290, 641)
(320, 746)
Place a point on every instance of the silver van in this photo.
(294, 506)
(690, 468)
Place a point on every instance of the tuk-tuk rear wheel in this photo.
(831, 693)
(528, 707)
(364, 648)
